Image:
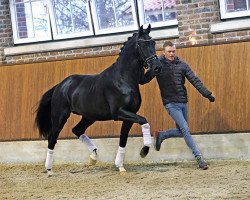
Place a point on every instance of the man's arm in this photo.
(146, 77)
(196, 82)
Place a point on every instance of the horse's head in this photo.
(146, 48)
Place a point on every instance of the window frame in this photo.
(18, 40)
(93, 33)
(237, 14)
(112, 30)
(57, 36)
(155, 24)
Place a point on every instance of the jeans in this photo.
(179, 113)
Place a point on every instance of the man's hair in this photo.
(168, 43)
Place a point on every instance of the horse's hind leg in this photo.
(126, 126)
(79, 131)
(58, 121)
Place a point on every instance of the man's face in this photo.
(169, 52)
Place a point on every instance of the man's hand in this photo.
(211, 98)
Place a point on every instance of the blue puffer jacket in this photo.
(171, 81)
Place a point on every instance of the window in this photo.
(234, 8)
(157, 12)
(30, 21)
(41, 20)
(111, 16)
(70, 18)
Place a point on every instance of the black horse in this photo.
(111, 95)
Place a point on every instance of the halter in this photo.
(146, 61)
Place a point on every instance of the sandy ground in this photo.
(181, 180)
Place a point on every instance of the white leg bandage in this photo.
(49, 159)
(147, 140)
(120, 157)
(86, 140)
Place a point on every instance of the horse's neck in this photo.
(129, 68)
(128, 62)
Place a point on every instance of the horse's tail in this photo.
(43, 114)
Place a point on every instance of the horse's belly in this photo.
(98, 116)
(94, 110)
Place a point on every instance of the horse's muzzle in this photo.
(155, 65)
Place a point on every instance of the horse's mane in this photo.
(124, 44)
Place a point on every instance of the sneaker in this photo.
(157, 141)
(201, 163)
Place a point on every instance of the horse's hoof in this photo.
(49, 173)
(122, 171)
(144, 151)
(93, 157)
(92, 161)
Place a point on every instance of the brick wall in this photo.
(22, 25)
(194, 19)
(5, 28)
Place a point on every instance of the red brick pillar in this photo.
(194, 18)
(5, 29)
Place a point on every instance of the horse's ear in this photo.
(148, 29)
(141, 30)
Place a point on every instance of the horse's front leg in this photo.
(146, 140)
(132, 117)
(126, 126)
